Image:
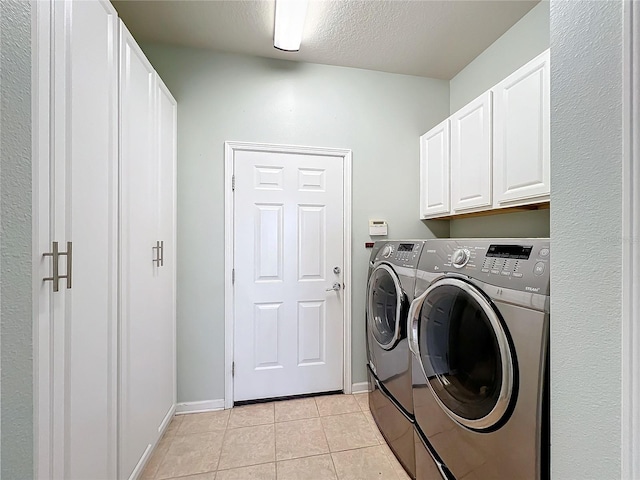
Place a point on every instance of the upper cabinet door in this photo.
(521, 134)
(471, 155)
(434, 171)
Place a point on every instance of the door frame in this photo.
(230, 148)
(630, 424)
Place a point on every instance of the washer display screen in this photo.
(521, 252)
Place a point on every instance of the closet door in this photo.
(139, 270)
(164, 353)
(76, 352)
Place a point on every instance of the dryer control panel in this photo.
(518, 264)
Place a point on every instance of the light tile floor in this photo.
(328, 437)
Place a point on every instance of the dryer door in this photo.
(465, 353)
(385, 304)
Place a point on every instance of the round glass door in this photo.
(465, 354)
(384, 306)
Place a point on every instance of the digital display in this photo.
(521, 252)
(405, 247)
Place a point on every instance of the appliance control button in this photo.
(544, 252)
(538, 268)
(387, 251)
(506, 274)
(460, 257)
(485, 270)
(495, 272)
(517, 275)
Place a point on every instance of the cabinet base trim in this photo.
(198, 407)
(544, 205)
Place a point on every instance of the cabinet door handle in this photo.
(159, 253)
(55, 256)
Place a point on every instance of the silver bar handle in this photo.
(55, 256)
(158, 257)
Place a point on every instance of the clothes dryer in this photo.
(479, 331)
(390, 288)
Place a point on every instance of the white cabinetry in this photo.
(147, 331)
(434, 171)
(75, 198)
(471, 155)
(521, 135)
(101, 206)
(498, 154)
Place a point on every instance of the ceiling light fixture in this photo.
(289, 24)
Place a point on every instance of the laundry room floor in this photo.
(327, 437)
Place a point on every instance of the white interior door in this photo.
(289, 244)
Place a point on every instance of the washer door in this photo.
(465, 353)
(385, 304)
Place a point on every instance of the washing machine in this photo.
(390, 288)
(479, 333)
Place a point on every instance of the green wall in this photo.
(586, 238)
(380, 116)
(16, 347)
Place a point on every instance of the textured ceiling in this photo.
(430, 38)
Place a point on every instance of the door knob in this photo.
(335, 287)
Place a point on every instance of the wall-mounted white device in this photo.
(377, 227)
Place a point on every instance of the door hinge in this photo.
(233, 276)
(233, 183)
(233, 369)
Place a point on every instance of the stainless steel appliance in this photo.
(390, 287)
(479, 330)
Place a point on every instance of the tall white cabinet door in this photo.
(434, 171)
(521, 134)
(471, 155)
(162, 401)
(138, 289)
(77, 325)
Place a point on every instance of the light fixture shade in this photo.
(289, 24)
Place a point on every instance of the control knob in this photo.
(387, 251)
(460, 257)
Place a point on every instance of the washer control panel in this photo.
(460, 257)
(521, 264)
(404, 253)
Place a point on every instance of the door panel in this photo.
(288, 335)
(139, 179)
(471, 155)
(83, 210)
(434, 171)
(522, 134)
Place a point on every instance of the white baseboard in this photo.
(360, 387)
(198, 407)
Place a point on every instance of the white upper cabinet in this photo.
(521, 135)
(471, 155)
(434, 171)
(494, 152)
